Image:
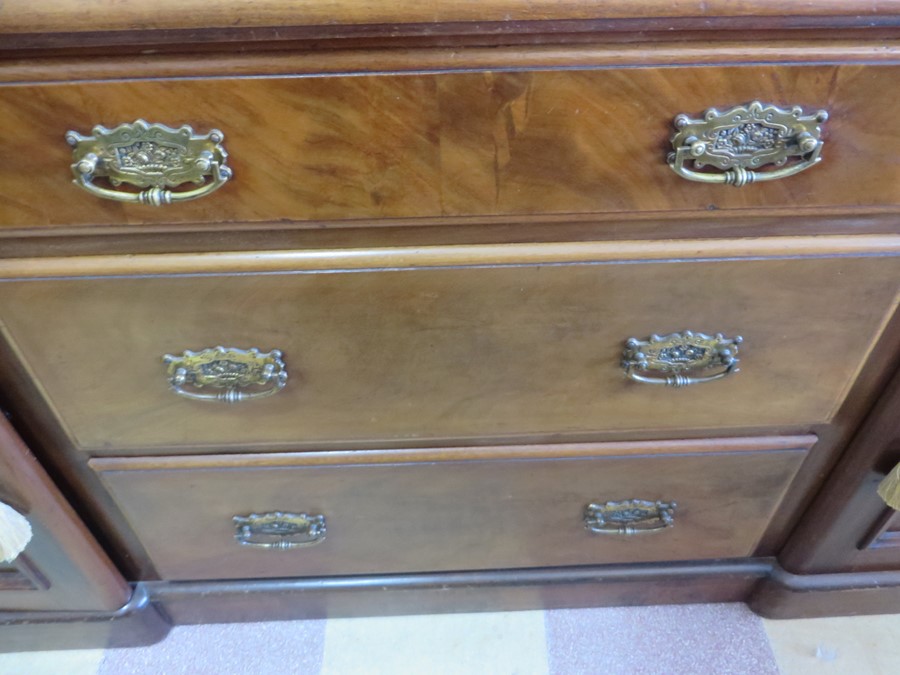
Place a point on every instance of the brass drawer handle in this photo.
(234, 375)
(889, 488)
(632, 516)
(151, 156)
(678, 359)
(743, 139)
(279, 530)
(15, 533)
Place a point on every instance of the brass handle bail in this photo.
(153, 157)
(226, 374)
(740, 141)
(278, 530)
(629, 517)
(681, 359)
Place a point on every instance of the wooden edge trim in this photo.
(138, 601)
(409, 258)
(836, 581)
(68, 16)
(386, 61)
(753, 567)
(783, 595)
(137, 623)
(669, 221)
(800, 443)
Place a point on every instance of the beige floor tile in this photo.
(74, 662)
(862, 645)
(451, 644)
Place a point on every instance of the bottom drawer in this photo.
(452, 509)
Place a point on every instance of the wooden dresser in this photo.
(328, 309)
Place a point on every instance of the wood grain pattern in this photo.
(469, 352)
(66, 568)
(449, 217)
(456, 144)
(573, 141)
(393, 516)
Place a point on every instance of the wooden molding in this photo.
(446, 256)
(64, 16)
(441, 59)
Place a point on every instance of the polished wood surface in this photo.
(62, 568)
(783, 595)
(436, 593)
(469, 352)
(395, 516)
(60, 253)
(138, 622)
(67, 16)
(884, 534)
(339, 59)
(838, 532)
(453, 144)
(456, 454)
(341, 257)
(450, 217)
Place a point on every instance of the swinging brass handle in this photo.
(151, 156)
(742, 140)
(681, 359)
(632, 516)
(233, 375)
(277, 530)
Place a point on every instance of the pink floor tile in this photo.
(285, 648)
(669, 640)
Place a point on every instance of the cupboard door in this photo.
(62, 567)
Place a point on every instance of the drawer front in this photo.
(341, 148)
(487, 352)
(501, 508)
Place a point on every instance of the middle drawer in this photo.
(424, 347)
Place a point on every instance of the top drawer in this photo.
(473, 144)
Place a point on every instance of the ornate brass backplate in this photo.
(150, 156)
(632, 516)
(741, 140)
(279, 530)
(235, 374)
(680, 359)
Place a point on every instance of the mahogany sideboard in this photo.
(364, 307)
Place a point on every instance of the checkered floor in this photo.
(670, 640)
